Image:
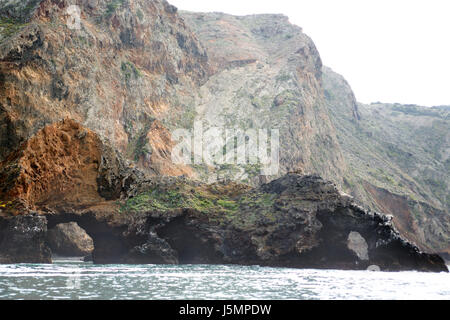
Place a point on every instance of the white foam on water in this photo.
(77, 280)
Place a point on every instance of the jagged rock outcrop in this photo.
(63, 164)
(68, 239)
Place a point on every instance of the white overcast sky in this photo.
(388, 50)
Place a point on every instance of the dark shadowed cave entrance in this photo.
(193, 245)
(116, 244)
(109, 245)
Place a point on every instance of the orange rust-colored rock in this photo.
(58, 164)
(127, 64)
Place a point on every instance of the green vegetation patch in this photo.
(159, 200)
(260, 102)
(140, 14)
(130, 70)
(142, 147)
(258, 200)
(256, 208)
(417, 111)
(253, 170)
(283, 77)
(230, 206)
(111, 8)
(179, 197)
(5, 204)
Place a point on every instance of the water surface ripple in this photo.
(76, 280)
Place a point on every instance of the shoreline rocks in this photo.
(295, 221)
(23, 240)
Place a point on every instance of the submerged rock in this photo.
(373, 268)
(68, 239)
(88, 258)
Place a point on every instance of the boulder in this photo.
(68, 239)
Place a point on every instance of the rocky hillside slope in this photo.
(398, 160)
(267, 74)
(130, 69)
(393, 159)
(134, 71)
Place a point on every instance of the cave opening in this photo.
(69, 240)
(192, 245)
(108, 245)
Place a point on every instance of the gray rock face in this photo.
(23, 240)
(266, 75)
(68, 239)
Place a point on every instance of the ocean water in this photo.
(71, 279)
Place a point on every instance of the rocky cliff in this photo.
(128, 72)
(398, 161)
(391, 158)
(267, 74)
(130, 68)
